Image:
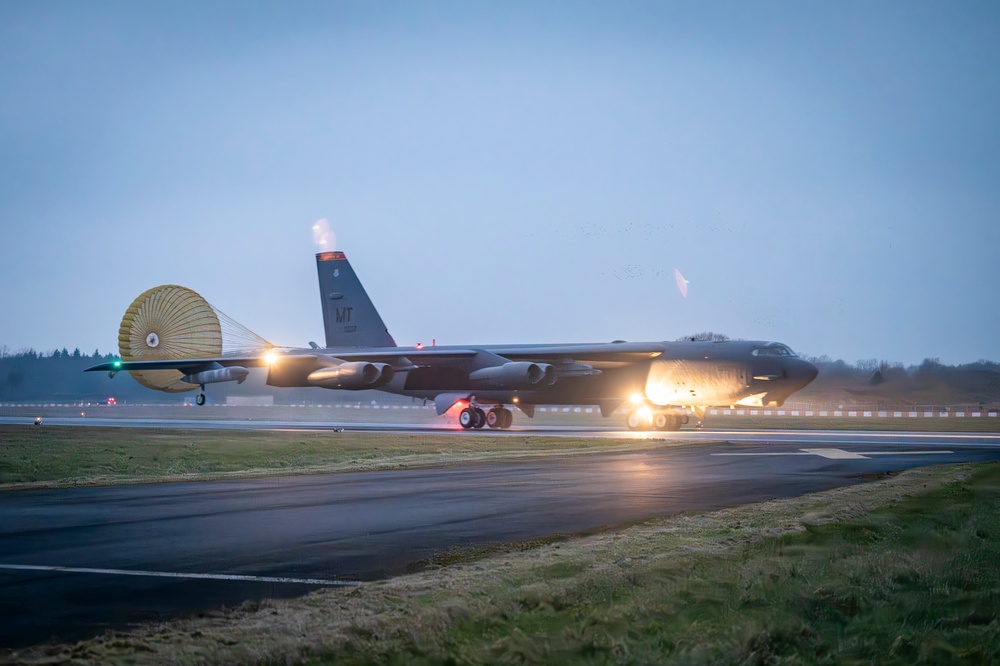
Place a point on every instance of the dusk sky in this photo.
(823, 174)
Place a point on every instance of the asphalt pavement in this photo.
(78, 561)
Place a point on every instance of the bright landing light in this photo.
(637, 399)
(271, 357)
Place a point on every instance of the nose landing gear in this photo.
(645, 419)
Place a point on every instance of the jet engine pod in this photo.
(353, 376)
(214, 375)
(514, 375)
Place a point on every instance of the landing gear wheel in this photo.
(493, 419)
(200, 399)
(480, 418)
(467, 418)
(635, 421)
(506, 418)
(662, 421)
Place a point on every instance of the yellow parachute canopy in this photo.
(168, 322)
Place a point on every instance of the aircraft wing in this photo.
(183, 365)
(581, 357)
(259, 361)
(602, 355)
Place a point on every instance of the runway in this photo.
(75, 562)
(709, 434)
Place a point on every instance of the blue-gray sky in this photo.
(824, 174)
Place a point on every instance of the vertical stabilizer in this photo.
(349, 317)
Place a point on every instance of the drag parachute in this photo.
(173, 323)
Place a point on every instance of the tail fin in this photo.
(349, 317)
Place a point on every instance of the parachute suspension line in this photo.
(170, 322)
(237, 339)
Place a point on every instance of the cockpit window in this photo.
(773, 349)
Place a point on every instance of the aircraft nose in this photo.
(804, 372)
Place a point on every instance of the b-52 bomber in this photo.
(172, 340)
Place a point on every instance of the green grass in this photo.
(917, 582)
(899, 571)
(866, 574)
(67, 456)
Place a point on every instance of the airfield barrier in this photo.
(969, 412)
(864, 414)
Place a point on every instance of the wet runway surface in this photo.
(67, 556)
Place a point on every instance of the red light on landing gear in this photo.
(420, 345)
(457, 407)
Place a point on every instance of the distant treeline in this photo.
(930, 383)
(97, 356)
(880, 370)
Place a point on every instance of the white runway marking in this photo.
(175, 574)
(836, 454)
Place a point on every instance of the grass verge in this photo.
(53, 456)
(898, 571)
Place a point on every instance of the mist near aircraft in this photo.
(323, 236)
(682, 284)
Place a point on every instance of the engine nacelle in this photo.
(514, 375)
(353, 376)
(231, 374)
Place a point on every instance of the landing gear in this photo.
(644, 419)
(474, 417)
(699, 413)
(200, 400)
(499, 417)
